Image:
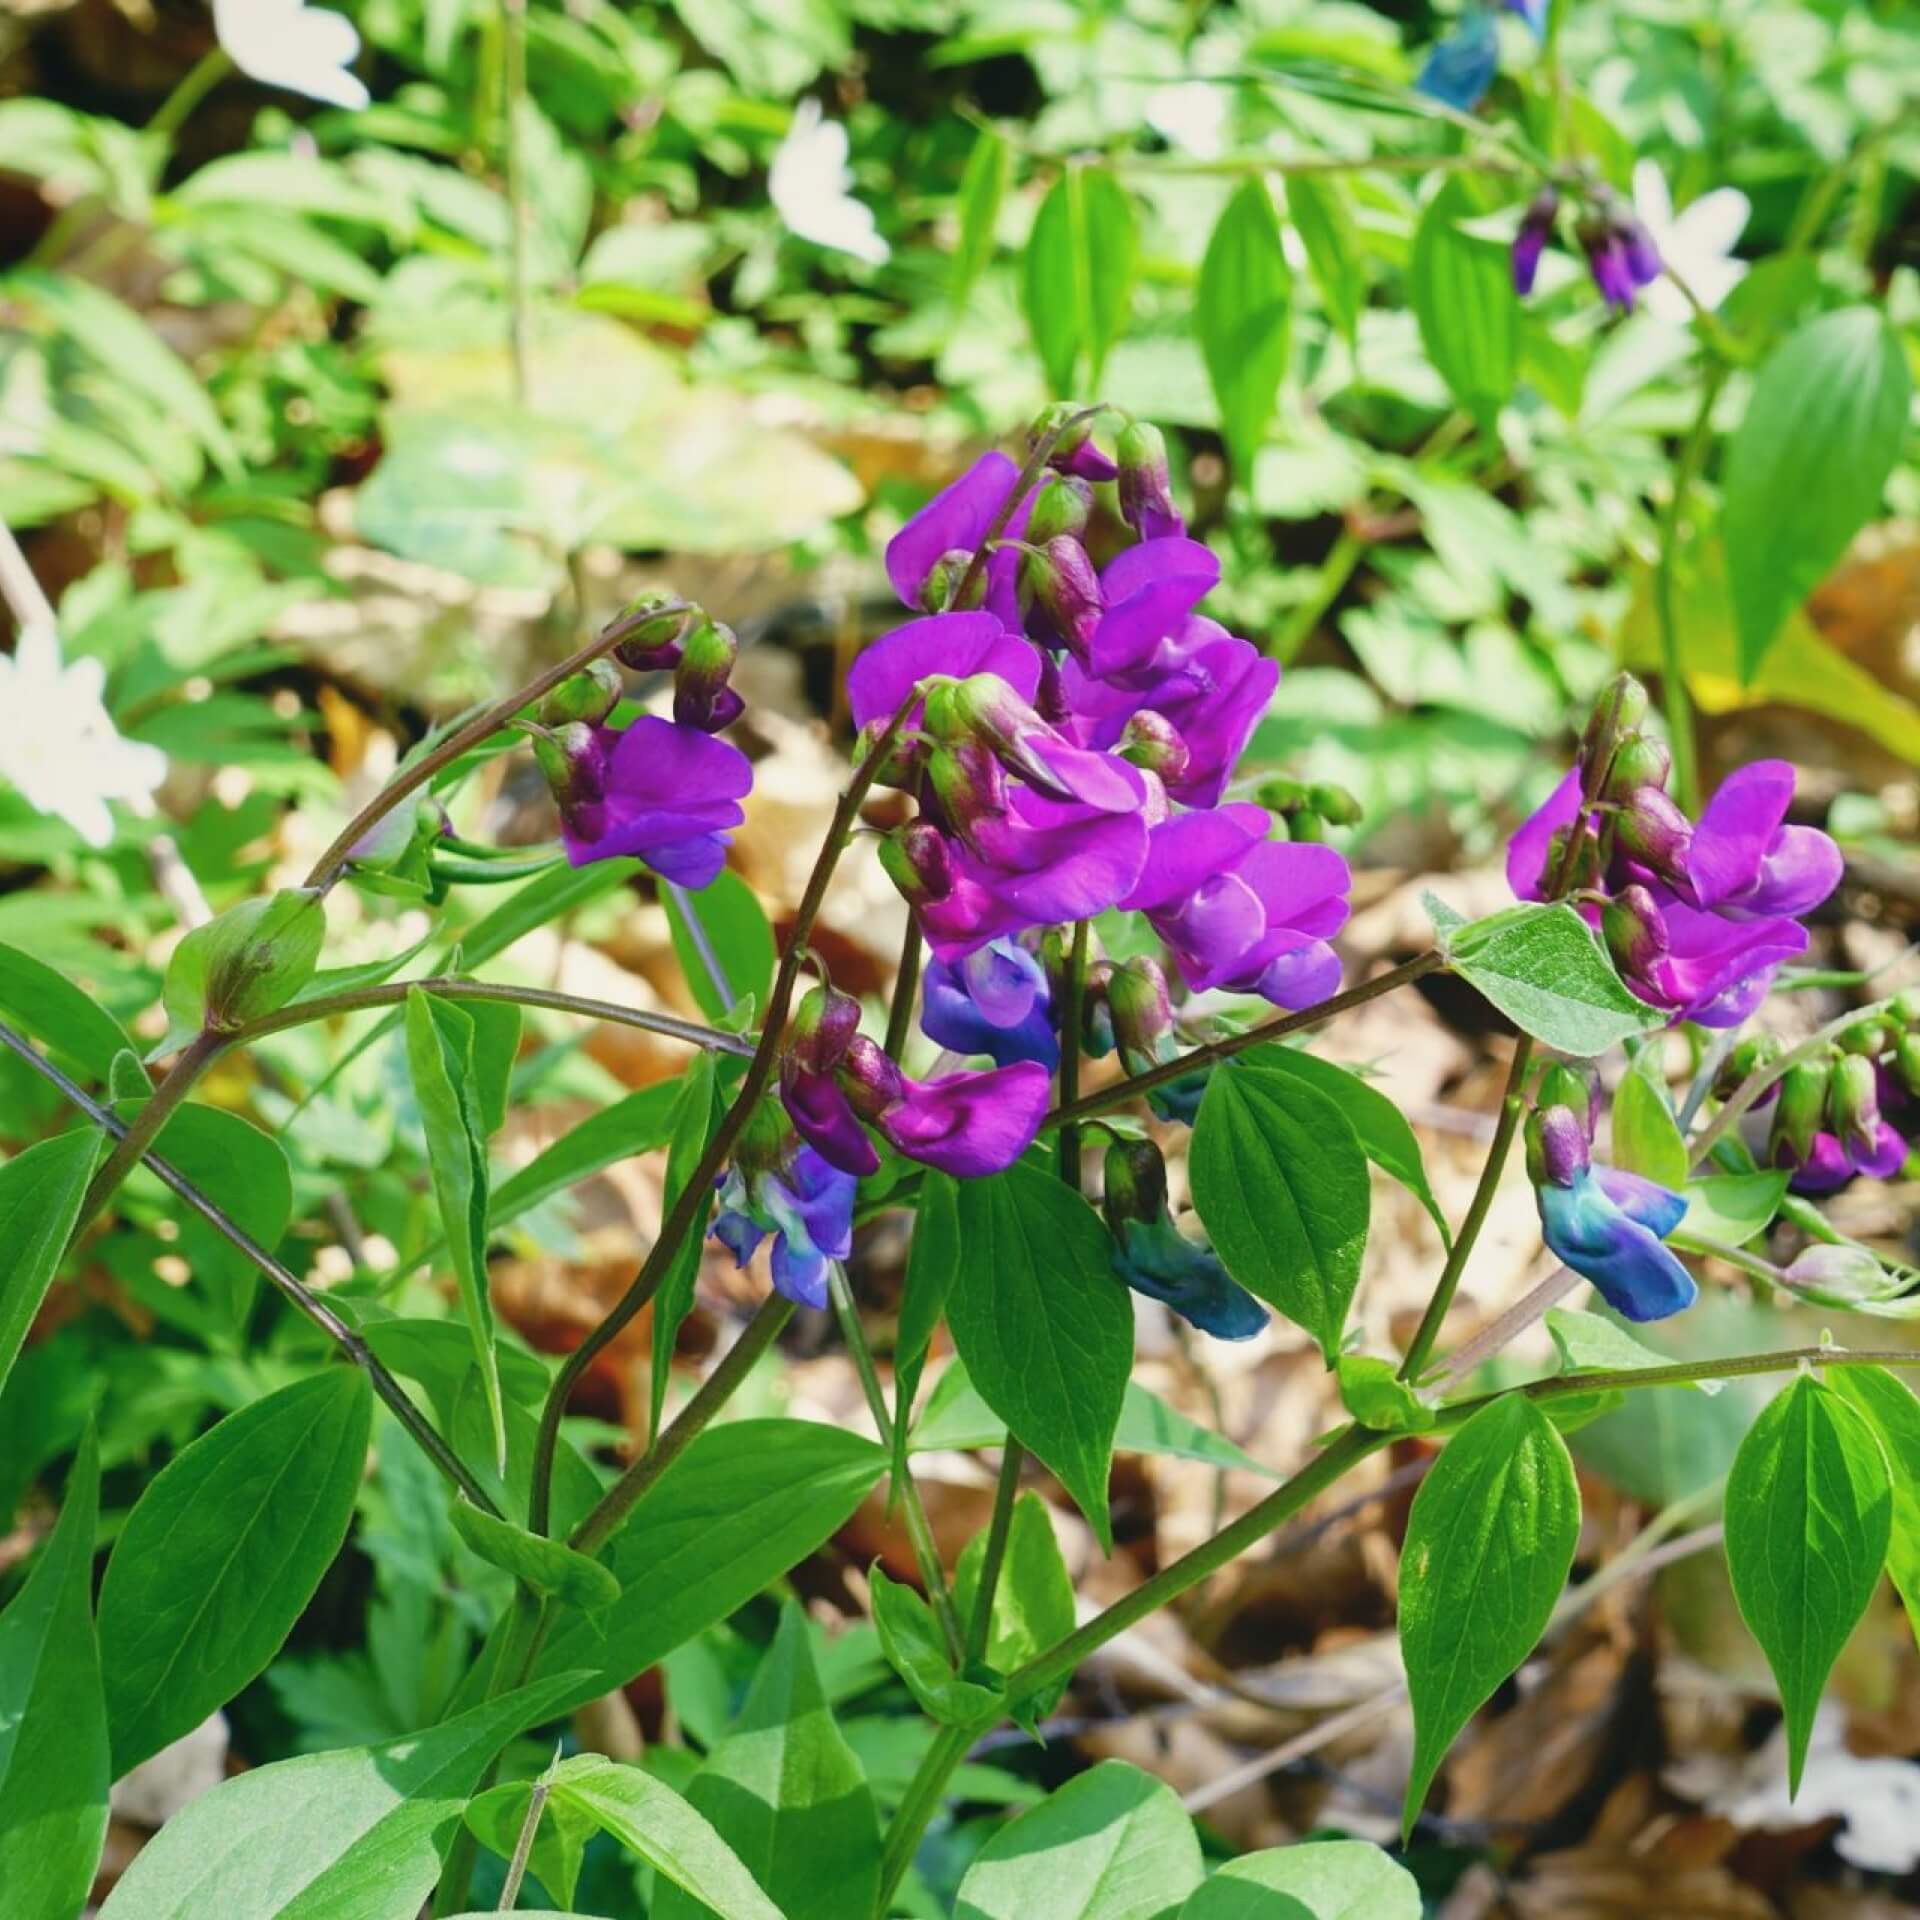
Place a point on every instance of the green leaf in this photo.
(1489, 1542)
(350, 1835)
(1317, 1879)
(80, 1034)
(1045, 1329)
(1730, 1208)
(1646, 1137)
(1077, 276)
(1373, 1392)
(40, 1194)
(635, 1125)
(1380, 1127)
(559, 1843)
(695, 1115)
(1808, 464)
(496, 1045)
(243, 965)
(649, 1819)
(1280, 1183)
(1889, 1407)
(440, 1058)
(1545, 971)
(221, 1554)
(53, 1724)
(737, 932)
(788, 1795)
(1461, 289)
(1326, 227)
(982, 188)
(1113, 1844)
(549, 1567)
(1032, 1605)
(1593, 1343)
(1809, 1517)
(745, 1503)
(933, 1261)
(548, 897)
(910, 1638)
(1241, 313)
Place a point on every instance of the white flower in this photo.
(1190, 115)
(808, 185)
(58, 743)
(286, 43)
(1695, 245)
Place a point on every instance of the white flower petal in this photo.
(1652, 200)
(284, 43)
(1714, 222)
(808, 184)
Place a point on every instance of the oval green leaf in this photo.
(1890, 1408)
(1321, 1879)
(1461, 287)
(547, 1566)
(1541, 966)
(40, 1194)
(1241, 312)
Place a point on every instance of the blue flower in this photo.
(994, 1001)
(1459, 69)
(1533, 12)
(807, 1207)
(1155, 1258)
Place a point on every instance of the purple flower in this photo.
(1536, 229)
(1744, 858)
(1608, 1226)
(1621, 254)
(1828, 1164)
(994, 1001)
(1154, 1257)
(1243, 912)
(1707, 967)
(1148, 592)
(959, 644)
(808, 1208)
(954, 521)
(656, 792)
(1459, 69)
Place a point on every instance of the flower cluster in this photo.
(1699, 916)
(662, 791)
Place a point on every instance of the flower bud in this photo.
(901, 767)
(1536, 228)
(968, 783)
(946, 578)
(919, 861)
(1586, 862)
(1071, 450)
(1619, 710)
(1146, 486)
(245, 964)
(1653, 831)
(1635, 932)
(701, 696)
(1640, 760)
(1839, 1276)
(649, 635)
(1283, 796)
(1059, 578)
(1135, 1177)
(871, 1081)
(1853, 1103)
(1307, 825)
(1906, 1062)
(766, 1141)
(1142, 1013)
(1557, 1150)
(824, 1025)
(1564, 1085)
(1335, 805)
(1152, 741)
(575, 763)
(1096, 1014)
(984, 710)
(1870, 1038)
(590, 695)
(1904, 1010)
(1798, 1112)
(1760, 1050)
(1062, 506)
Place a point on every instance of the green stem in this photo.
(131, 1147)
(482, 726)
(1102, 1099)
(195, 84)
(914, 1813)
(693, 1419)
(1072, 1009)
(926, 1551)
(697, 1195)
(389, 993)
(523, 1847)
(906, 985)
(1685, 1372)
(1335, 571)
(1673, 675)
(514, 23)
(1006, 1492)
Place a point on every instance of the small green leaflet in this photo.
(910, 1639)
(1077, 275)
(1461, 288)
(1593, 1343)
(1317, 1879)
(982, 187)
(1032, 1606)
(1809, 1516)
(1241, 311)
(1377, 1397)
(694, 1118)
(440, 1057)
(1894, 1414)
(1646, 1138)
(40, 1194)
(1730, 1208)
(1545, 971)
(78, 1033)
(549, 1567)
(1280, 1184)
(1806, 467)
(1489, 1542)
(1335, 256)
(53, 1722)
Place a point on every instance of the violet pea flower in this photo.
(994, 1001)
(667, 795)
(1148, 592)
(1608, 1226)
(1155, 1258)
(960, 644)
(1706, 967)
(1744, 857)
(1829, 1164)
(954, 521)
(808, 1208)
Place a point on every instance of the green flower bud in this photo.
(649, 637)
(1307, 825)
(1869, 1038)
(590, 695)
(1335, 805)
(1904, 1009)
(1135, 1175)
(1800, 1109)
(1618, 712)
(1562, 1085)
(1853, 1102)
(246, 964)
(1283, 796)
(1638, 761)
(1062, 505)
(1760, 1050)
(824, 1024)
(1906, 1062)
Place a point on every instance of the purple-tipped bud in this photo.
(968, 783)
(1798, 1113)
(1557, 1149)
(1608, 263)
(901, 767)
(574, 759)
(650, 639)
(1565, 1085)
(919, 861)
(1642, 254)
(701, 696)
(984, 709)
(1062, 504)
(1146, 485)
(1760, 1050)
(1142, 1013)
(1654, 831)
(1135, 1176)
(1639, 761)
(1074, 451)
(824, 1026)
(871, 1081)
(1617, 713)
(1536, 229)
(1060, 580)
(1096, 1012)
(1152, 741)
(1853, 1103)
(949, 574)
(1335, 805)
(590, 695)
(1635, 932)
